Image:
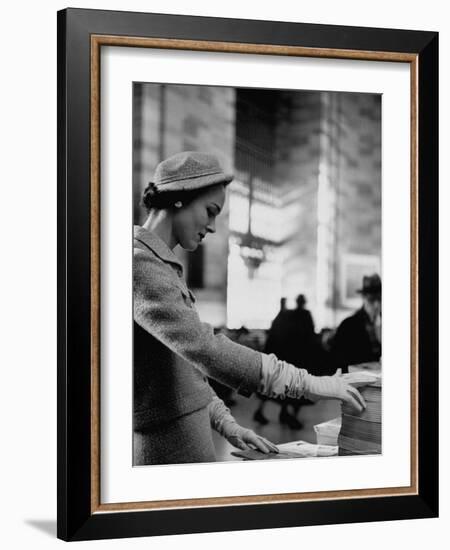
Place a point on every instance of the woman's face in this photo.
(193, 221)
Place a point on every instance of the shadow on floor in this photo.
(47, 526)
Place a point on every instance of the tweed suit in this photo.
(174, 352)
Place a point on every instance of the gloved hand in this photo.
(280, 379)
(243, 438)
(333, 387)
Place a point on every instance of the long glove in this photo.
(280, 379)
(243, 438)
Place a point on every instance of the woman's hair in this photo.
(152, 198)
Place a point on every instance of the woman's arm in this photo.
(243, 438)
(280, 380)
(161, 309)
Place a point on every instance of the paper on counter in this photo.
(294, 449)
(308, 449)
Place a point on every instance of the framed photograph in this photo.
(233, 198)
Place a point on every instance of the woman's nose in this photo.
(211, 227)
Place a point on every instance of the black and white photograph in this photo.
(257, 276)
(225, 300)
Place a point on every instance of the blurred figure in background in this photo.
(303, 329)
(301, 348)
(358, 337)
(292, 338)
(273, 345)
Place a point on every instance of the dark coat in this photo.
(355, 341)
(292, 338)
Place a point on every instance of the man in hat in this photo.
(358, 337)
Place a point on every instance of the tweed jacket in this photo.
(174, 351)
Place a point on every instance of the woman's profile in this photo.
(175, 409)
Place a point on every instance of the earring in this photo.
(178, 204)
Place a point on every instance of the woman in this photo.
(174, 352)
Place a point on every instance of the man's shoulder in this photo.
(352, 319)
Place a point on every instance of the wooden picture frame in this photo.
(81, 35)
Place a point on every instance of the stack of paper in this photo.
(327, 432)
(361, 432)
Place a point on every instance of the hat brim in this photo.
(191, 184)
(369, 292)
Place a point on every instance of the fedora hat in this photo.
(371, 285)
(188, 171)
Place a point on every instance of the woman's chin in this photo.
(190, 246)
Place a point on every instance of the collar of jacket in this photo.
(364, 315)
(156, 245)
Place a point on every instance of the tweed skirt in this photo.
(185, 439)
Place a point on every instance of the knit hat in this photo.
(188, 171)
